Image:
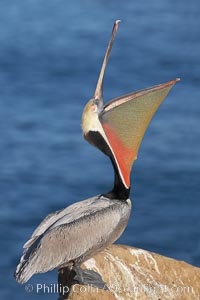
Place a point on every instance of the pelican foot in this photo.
(89, 277)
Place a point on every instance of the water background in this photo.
(50, 56)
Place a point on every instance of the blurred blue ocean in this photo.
(50, 57)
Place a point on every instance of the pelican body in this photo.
(73, 235)
(68, 237)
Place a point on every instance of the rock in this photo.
(132, 273)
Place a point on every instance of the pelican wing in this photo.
(125, 120)
(67, 214)
(42, 227)
(79, 230)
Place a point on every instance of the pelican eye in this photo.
(96, 101)
(93, 107)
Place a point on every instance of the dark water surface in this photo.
(50, 57)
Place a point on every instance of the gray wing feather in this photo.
(43, 226)
(66, 242)
(67, 214)
(73, 233)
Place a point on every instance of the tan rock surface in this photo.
(137, 274)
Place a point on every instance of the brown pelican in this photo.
(70, 236)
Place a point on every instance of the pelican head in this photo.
(118, 127)
(92, 110)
